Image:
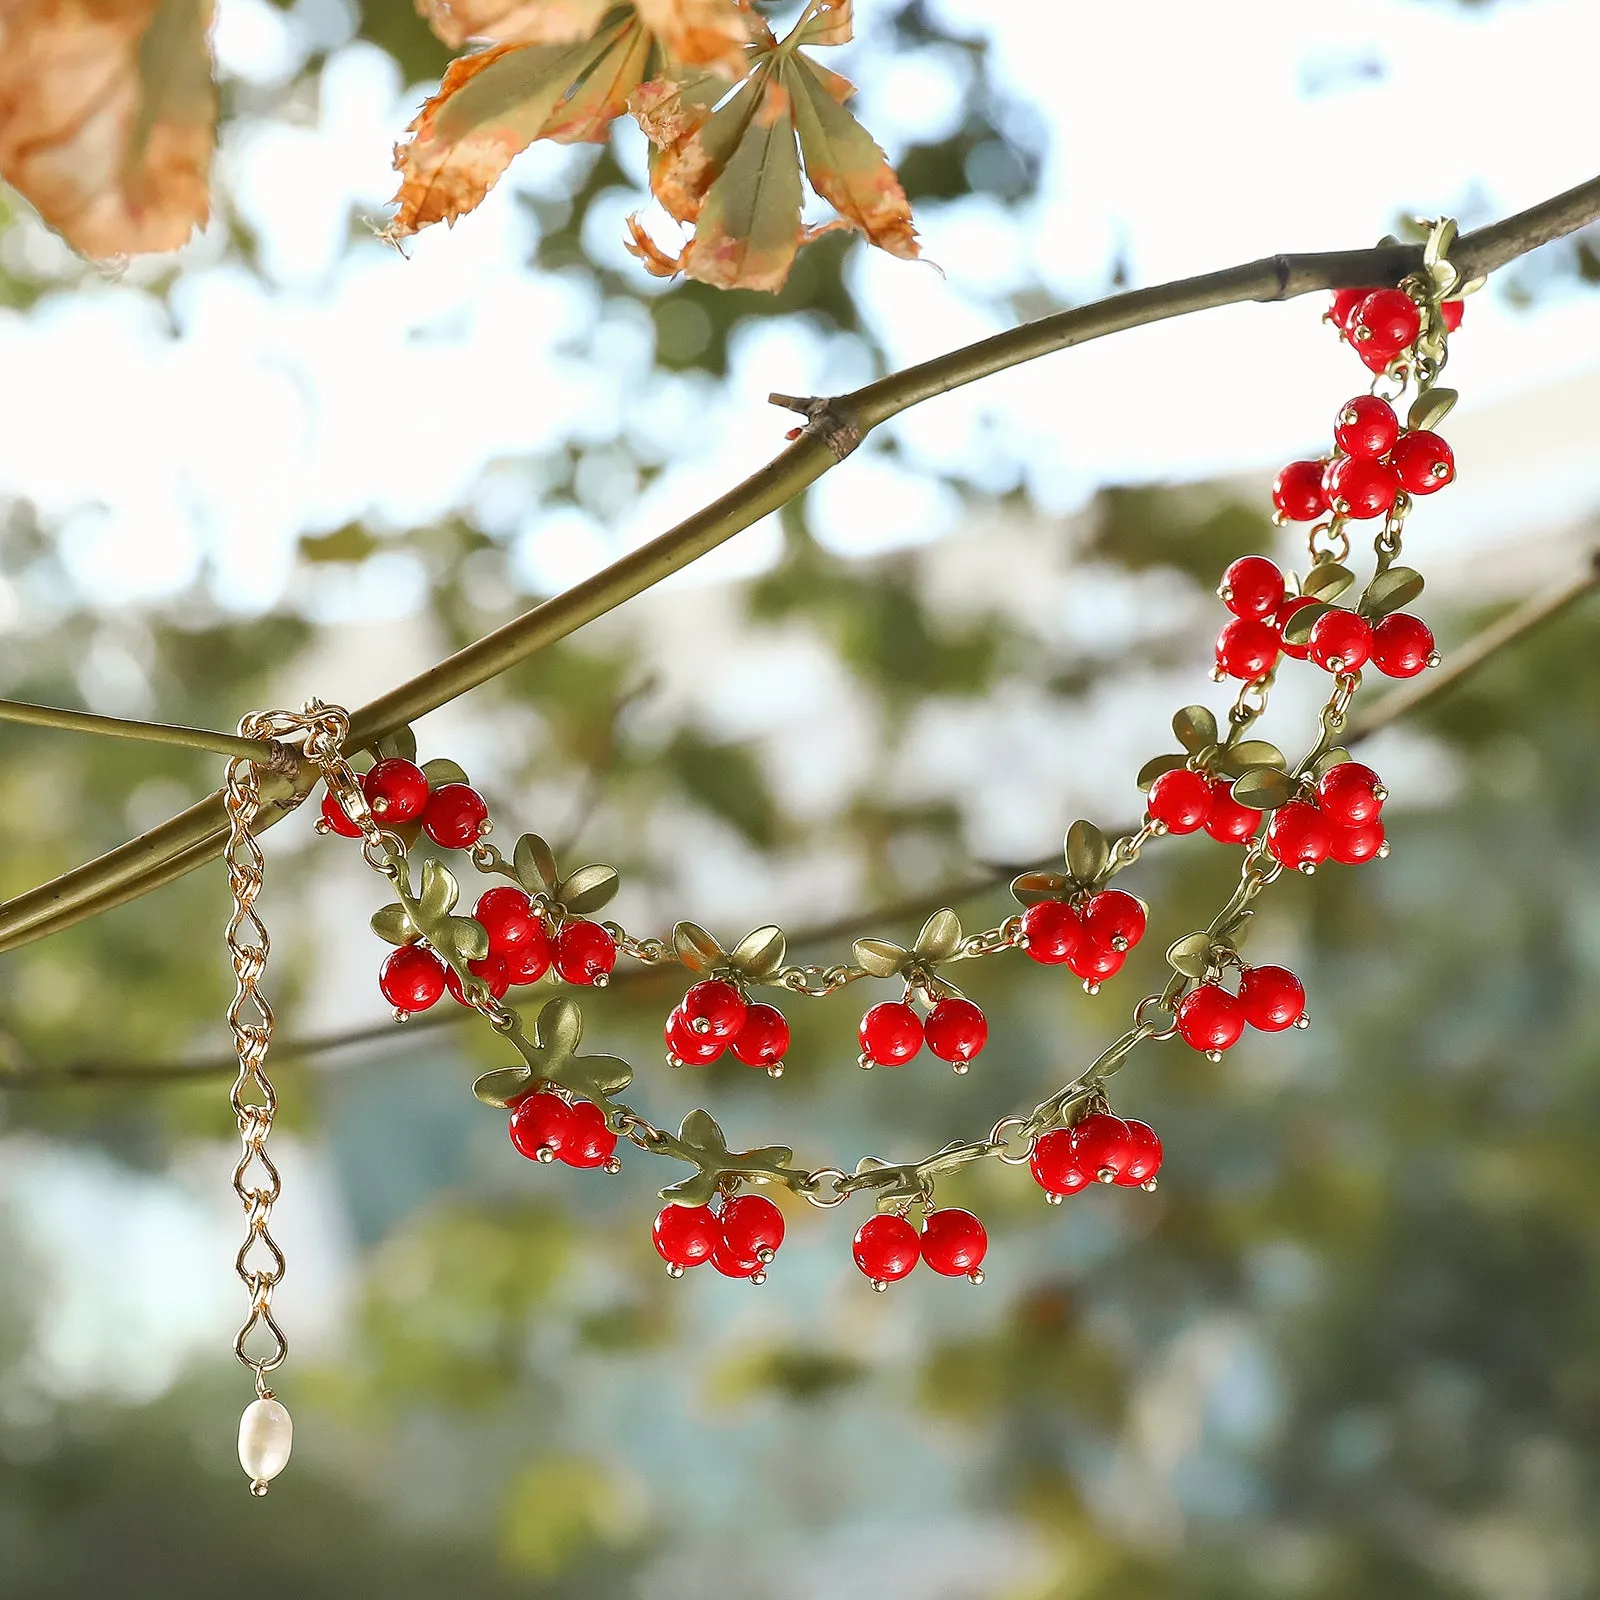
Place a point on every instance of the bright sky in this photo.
(354, 383)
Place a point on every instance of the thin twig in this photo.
(1461, 664)
(221, 744)
(197, 835)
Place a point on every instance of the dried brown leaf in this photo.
(513, 21)
(108, 117)
(705, 33)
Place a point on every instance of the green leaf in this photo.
(352, 542)
(401, 744)
(588, 889)
(535, 865)
(1430, 408)
(1298, 629)
(1031, 887)
(1249, 753)
(697, 950)
(439, 892)
(1329, 760)
(503, 1087)
(465, 935)
(393, 925)
(879, 957)
(940, 936)
(1156, 767)
(1088, 854)
(1191, 954)
(729, 781)
(1263, 789)
(558, 1029)
(1391, 591)
(441, 770)
(1327, 580)
(1195, 728)
(759, 955)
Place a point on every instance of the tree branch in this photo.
(222, 744)
(197, 835)
(1462, 663)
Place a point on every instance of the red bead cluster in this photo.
(716, 1015)
(1269, 998)
(1091, 937)
(739, 1241)
(454, 815)
(1338, 820)
(1100, 1148)
(891, 1032)
(545, 1127)
(1185, 800)
(1341, 640)
(952, 1242)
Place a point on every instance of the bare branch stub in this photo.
(189, 841)
(829, 419)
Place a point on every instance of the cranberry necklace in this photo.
(564, 1106)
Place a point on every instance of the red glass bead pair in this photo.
(1093, 941)
(1184, 800)
(952, 1242)
(891, 1032)
(1100, 1148)
(1269, 998)
(739, 1241)
(715, 1016)
(454, 815)
(544, 1127)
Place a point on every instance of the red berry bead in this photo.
(1252, 587)
(956, 1030)
(1343, 305)
(1385, 323)
(1341, 641)
(508, 917)
(588, 1142)
(1295, 652)
(492, 969)
(886, 1248)
(1229, 822)
(585, 952)
(1353, 846)
(411, 978)
(1180, 800)
(752, 1228)
(334, 815)
(954, 1243)
(1271, 998)
(763, 1039)
(396, 791)
(1210, 1019)
(1144, 1157)
(687, 1047)
(1451, 311)
(730, 1266)
(684, 1236)
(1100, 1146)
(1359, 487)
(1402, 645)
(1350, 793)
(1247, 648)
(714, 1008)
(1366, 426)
(890, 1033)
(528, 961)
(1297, 491)
(1424, 462)
(541, 1124)
(1095, 962)
(1054, 1165)
(1053, 932)
(1299, 836)
(455, 816)
(1115, 918)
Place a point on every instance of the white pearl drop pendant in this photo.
(266, 1435)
